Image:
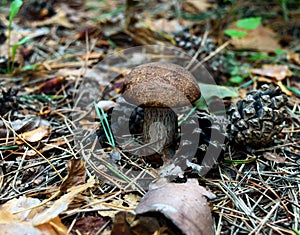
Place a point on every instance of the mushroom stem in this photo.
(160, 129)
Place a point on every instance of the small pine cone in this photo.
(211, 131)
(191, 44)
(256, 120)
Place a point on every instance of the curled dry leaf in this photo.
(107, 104)
(195, 7)
(294, 57)
(22, 125)
(50, 85)
(10, 225)
(59, 19)
(36, 134)
(76, 174)
(88, 225)
(260, 39)
(165, 25)
(278, 72)
(274, 157)
(61, 204)
(184, 205)
(121, 225)
(16, 218)
(47, 147)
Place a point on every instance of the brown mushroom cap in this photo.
(160, 84)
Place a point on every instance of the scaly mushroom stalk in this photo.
(160, 129)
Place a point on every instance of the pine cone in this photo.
(211, 131)
(256, 120)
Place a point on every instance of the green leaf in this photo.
(16, 46)
(236, 79)
(233, 33)
(210, 90)
(14, 9)
(249, 23)
(278, 51)
(259, 56)
(201, 104)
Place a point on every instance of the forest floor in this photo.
(54, 47)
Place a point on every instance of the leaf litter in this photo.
(44, 174)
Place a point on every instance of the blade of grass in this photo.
(12, 147)
(105, 125)
(226, 160)
(108, 127)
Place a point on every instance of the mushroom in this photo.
(158, 87)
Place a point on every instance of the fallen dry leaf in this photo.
(259, 39)
(16, 218)
(196, 6)
(36, 134)
(51, 84)
(19, 204)
(132, 199)
(53, 227)
(274, 157)
(184, 205)
(107, 104)
(121, 225)
(110, 209)
(59, 19)
(76, 174)
(88, 225)
(61, 204)
(143, 35)
(11, 225)
(165, 25)
(294, 57)
(47, 147)
(278, 72)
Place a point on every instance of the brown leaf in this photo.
(88, 225)
(11, 225)
(59, 19)
(36, 134)
(183, 204)
(196, 6)
(294, 57)
(47, 147)
(145, 35)
(107, 104)
(51, 84)
(17, 205)
(278, 72)
(165, 25)
(260, 39)
(132, 199)
(16, 218)
(120, 225)
(76, 174)
(61, 204)
(53, 227)
(274, 157)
